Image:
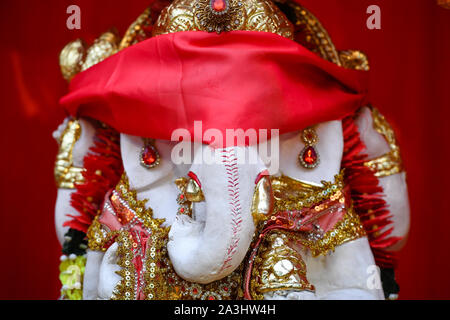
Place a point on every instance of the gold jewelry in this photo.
(262, 203)
(354, 59)
(223, 15)
(309, 156)
(66, 175)
(260, 16)
(349, 228)
(193, 191)
(185, 206)
(291, 194)
(158, 279)
(71, 58)
(149, 156)
(280, 266)
(219, 15)
(139, 30)
(77, 56)
(190, 192)
(103, 47)
(390, 163)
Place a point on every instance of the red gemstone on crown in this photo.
(218, 5)
(310, 155)
(149, 156)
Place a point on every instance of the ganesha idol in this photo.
(322, 217)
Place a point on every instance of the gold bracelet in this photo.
(390, 163)
(66, 175)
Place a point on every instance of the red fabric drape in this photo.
(408, 83)
(236, 80)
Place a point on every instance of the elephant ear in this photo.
(138, 175)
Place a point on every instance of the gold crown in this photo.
(189, 15)
(223, 15)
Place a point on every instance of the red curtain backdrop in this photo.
(409, 83)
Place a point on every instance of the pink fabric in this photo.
(109, 218)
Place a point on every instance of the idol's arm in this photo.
(386, 164)
(379, 140)
(74, 137)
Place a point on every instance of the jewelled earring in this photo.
(309, 156)
(149, 156)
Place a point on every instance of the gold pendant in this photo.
(149, 156)
(309, 156)
(219, 15)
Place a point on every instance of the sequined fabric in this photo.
(306, 217)
(146, 270)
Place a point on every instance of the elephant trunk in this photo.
(208, 249)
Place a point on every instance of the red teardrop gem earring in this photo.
(149, 156)
(309, 156)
